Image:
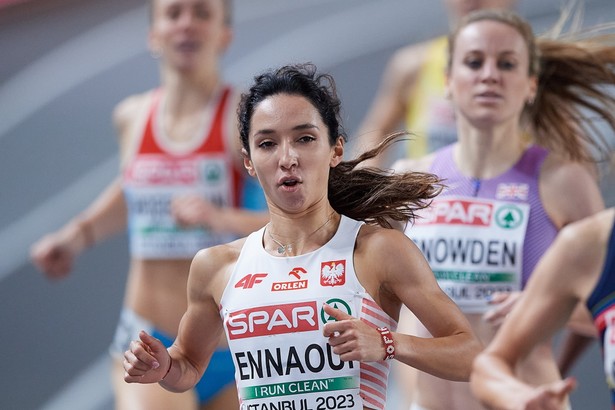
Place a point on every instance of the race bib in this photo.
(152, 182)
(303, 372)
(474, 247)
(609, 347)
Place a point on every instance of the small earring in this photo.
(530, 101)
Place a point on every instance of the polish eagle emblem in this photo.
(333, 273)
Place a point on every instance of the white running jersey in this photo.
(273, 319)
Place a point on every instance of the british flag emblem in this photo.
(512, 191)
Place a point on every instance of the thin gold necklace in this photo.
(285, 249)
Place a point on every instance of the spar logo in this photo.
(273, 320)
(509, 217)
(337, 304)
(212, 172)
(299, 283)
(457, 212)
(333, 273)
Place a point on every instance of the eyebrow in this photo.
(305, 126)
(505, 52)
(300, 127)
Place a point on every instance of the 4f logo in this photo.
(251, 279)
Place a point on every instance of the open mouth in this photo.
(489, 94)
(290, 182)
(188, 46)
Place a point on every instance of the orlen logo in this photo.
(457, 212)
(273, 320)
(154, 171)
(292, 285)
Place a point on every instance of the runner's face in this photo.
(290, 152)
(488, 79)
(188, 33)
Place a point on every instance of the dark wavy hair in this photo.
(363, 193)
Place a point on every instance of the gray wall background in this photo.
(64, 64)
